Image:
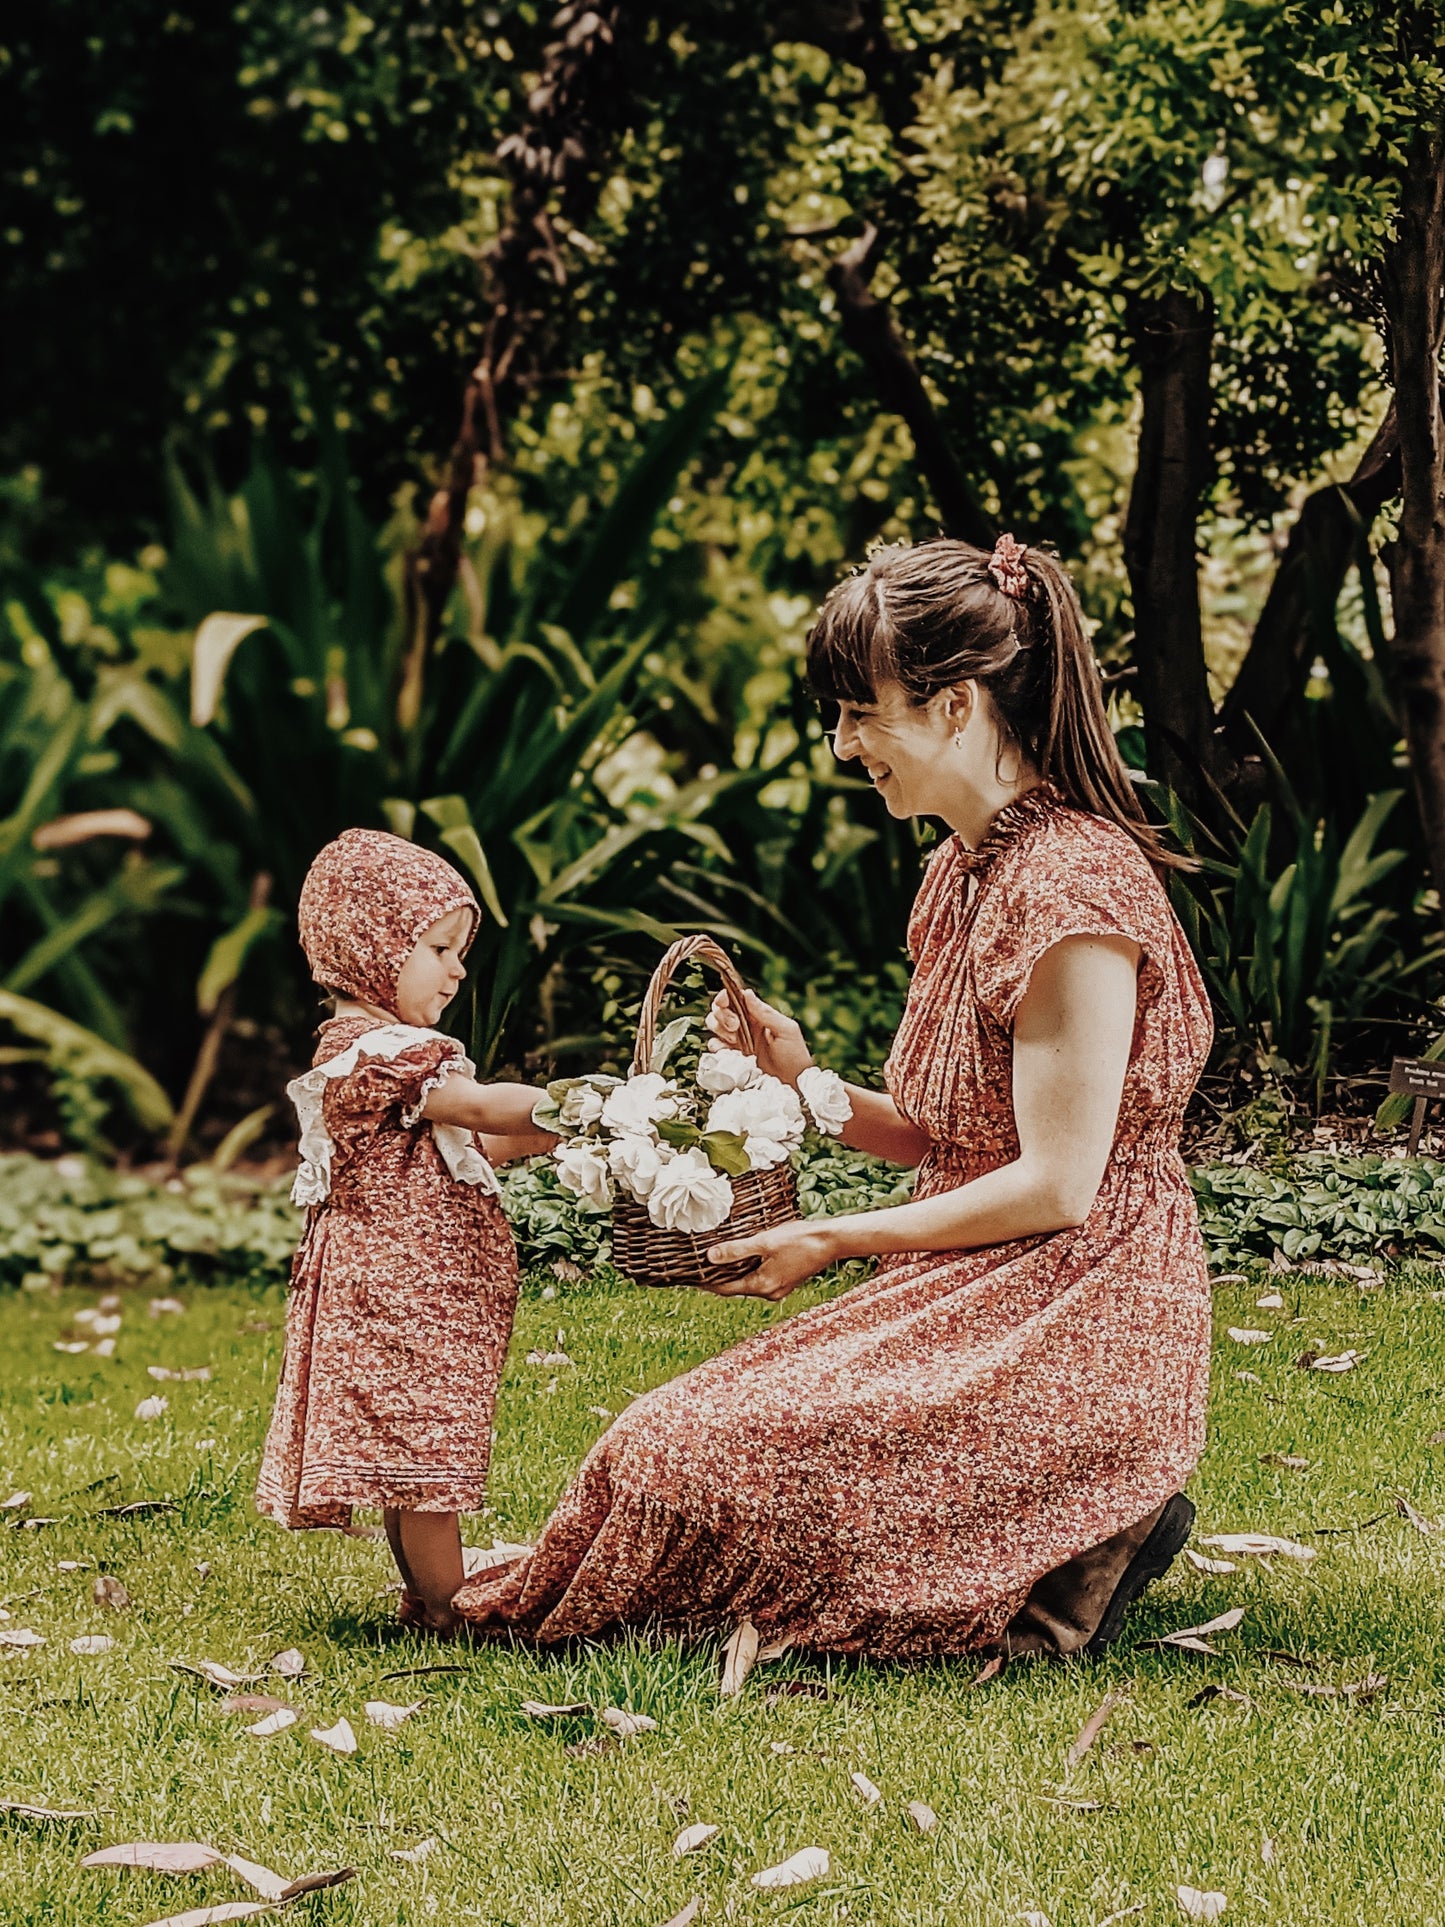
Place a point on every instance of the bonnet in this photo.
(366, 900)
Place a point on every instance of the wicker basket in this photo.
(646, 1252)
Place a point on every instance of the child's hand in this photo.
(781, 1049)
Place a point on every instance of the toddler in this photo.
(405, 1282)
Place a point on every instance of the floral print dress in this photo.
(892, 1471)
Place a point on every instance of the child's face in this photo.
(433, 973)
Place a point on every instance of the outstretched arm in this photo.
(876, 1125)
(496, 1110)
(1072, 1039)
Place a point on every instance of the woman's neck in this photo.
(974, 811)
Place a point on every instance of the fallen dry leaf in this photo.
(72, 1346)
(1218, 1692)
(1093, 1726)
(1201, 1906)
(549, 1358)
(1268, 1852)
(809, 1863)
(990, 1669)
(22, 1810)
(1313, 1361)
(90, 1643)
(135, 1509)
(1194, 1639)
(594, 1743)
(253, 1703)
(922, 1815)
(1246, 1335)
(687, 1915)
(213, 1674)
(539, 1710)
(159, 1307)
(739, 1657)
(272, 1885)
(599, 1411)
(624, 1724)
(413, 1856)
(339, 1738)
(153, 1407)
(1290, 1460)
(15, 1501)
(313, 1883)
(1271, 1301)
(868, 1793)
(19, 1636)
(1417, 1519)
(1256, 1545)
(483, 1558)
(1362, 1690)
(775, 1650)
(1202, 1563)
(107, 1590)
(289, 1664)
(213, 1916)
(157, 1856)
(388, 1717)
(693, 1837)
(188, 1375)
(274, 1723)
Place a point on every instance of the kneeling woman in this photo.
(983, 1444)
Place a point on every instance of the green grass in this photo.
(1352, 1795)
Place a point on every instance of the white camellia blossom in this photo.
(634, 1107)
(688, 1195)
(768, 1116)
(635, 1162)
(827, 1100)
(580, 1107)
(726, 1070)
(582, 1167)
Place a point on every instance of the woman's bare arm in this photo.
(1072, 1039)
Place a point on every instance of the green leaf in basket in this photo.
(677, 1132)
(667, 1041)
(727, 1151)
(547, 1116)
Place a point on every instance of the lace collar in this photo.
(1033, 807)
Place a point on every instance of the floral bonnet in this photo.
(366, 900)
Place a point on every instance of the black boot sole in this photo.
(1154, 1557)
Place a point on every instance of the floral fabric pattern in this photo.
(366, 899)
(403, 1292)
(892, 1471)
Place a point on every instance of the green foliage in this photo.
(1347, 1209)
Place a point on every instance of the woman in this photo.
(983, 1444)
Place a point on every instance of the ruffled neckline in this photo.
(1032, 808)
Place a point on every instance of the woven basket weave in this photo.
(646, 1252)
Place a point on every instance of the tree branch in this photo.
(869, 328)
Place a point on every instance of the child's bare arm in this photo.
(516, 1144)
(502, 1110)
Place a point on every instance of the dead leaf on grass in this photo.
(289, 1664)
(107, 1590)
(549, 1358)
(214, 1674)
(599, 1411)
(152, 1408)
(213, 1916)
(186, 1375)
(624, 1724)
(413, 1856)
(157, 1856)
(425, 1672)
(1201, 1562)
(540, 1710)
(809, 1863)
(339, 1738)
(1256, 1545)
(1291, 1461)
(20, 1636)
(1217, 1692)
(314, 1883)
(1199, 1905)
(161, 1307)
(72, 1345)
(1315, 1361)
(1361, 1691)
(1417, 1519)
(740, 1655)
(90, 1643)
(1195, 1639)
(389, 1717)
(501, 1552)
(1247, 1335)
(1268, 1852)
(775, 1650)
(23, 1810)
(693, 1837)
(922, 1815)
(990, 1669)
(135, 1509)
(274, 1723)
(253, 1703)
(593, 1744)
(272, 1885)
(1073, 1805)
(1271, 1301)
(687, 1915)
(1094, 1725)
(15, 1501)
(868, 1793)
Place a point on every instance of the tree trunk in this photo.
(1172, 334)
(870, 330)
(1311, 574)
(1414, 296)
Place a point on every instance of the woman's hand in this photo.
(780, 1047)
(790, 1254)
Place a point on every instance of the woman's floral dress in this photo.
(401, 1306)
(892, 1471)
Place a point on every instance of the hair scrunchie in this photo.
(1006, 566)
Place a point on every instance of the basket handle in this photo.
(699, 949)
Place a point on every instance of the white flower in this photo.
(767, 1116)
(635, 1106)
(688, 1195)
(582, 1167)
(726, 1070)
(828, 1102)
(635, 1162)
(580, 1107)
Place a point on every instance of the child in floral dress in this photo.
(404, 1285)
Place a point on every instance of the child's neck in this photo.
(356, 1007)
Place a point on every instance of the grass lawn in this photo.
(1349, 1790)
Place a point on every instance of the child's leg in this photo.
(391, 1518)
(431, 1547)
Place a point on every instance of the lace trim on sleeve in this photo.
(307, 1092)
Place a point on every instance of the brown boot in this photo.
(1080, 1606)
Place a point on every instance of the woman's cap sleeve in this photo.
(1098, 885)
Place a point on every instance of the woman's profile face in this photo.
(907, 749)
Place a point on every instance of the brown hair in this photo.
(930, 615)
